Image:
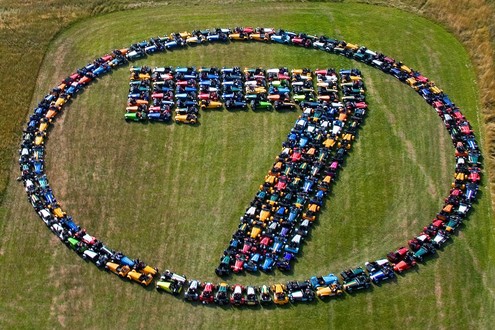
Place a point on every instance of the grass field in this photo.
(172, 195)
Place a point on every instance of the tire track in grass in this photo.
(405, 218)
(477, 267)
(411, 155)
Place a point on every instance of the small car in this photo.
(359, 282)
(235, 104)
(297, 285)
(268, 263)
(194, 40)
(221, 37)
(76, 245)
(284, 38)
(237, 297)
(224, 267)
(238, 265)
(284, 264)
(260, 37)
(143, 279)
(222, 295)
(440, 238)
(256, 105)
(329, 291)
(303, 295)
(397, 255)
(124, 260)
(171, 282)
(159, 116)
(265, 295)
(45, 215)
(118, 269)
(426, 249)
(186, 119)
(252, 264)
(192, 292)
(280, 296)
(319, 281)
(99, 258)
(351, 273)
(239, 36)
(135, 116)
(404, 264)
(135, 54)
(251, 296)
(207, 296)
(88, 239)
(208, 104)
(380, 270)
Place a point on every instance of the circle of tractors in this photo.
(278, 219)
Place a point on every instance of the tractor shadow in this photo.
(358, 292)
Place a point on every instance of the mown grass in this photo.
(172, 195)
(27, 27)
(473, 23)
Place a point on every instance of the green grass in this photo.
(172, 195)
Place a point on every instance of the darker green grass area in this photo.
(172, 194)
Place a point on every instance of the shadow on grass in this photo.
(353, 293)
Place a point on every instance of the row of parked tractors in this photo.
(166, 93)
(279, 218)
(288, 201)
